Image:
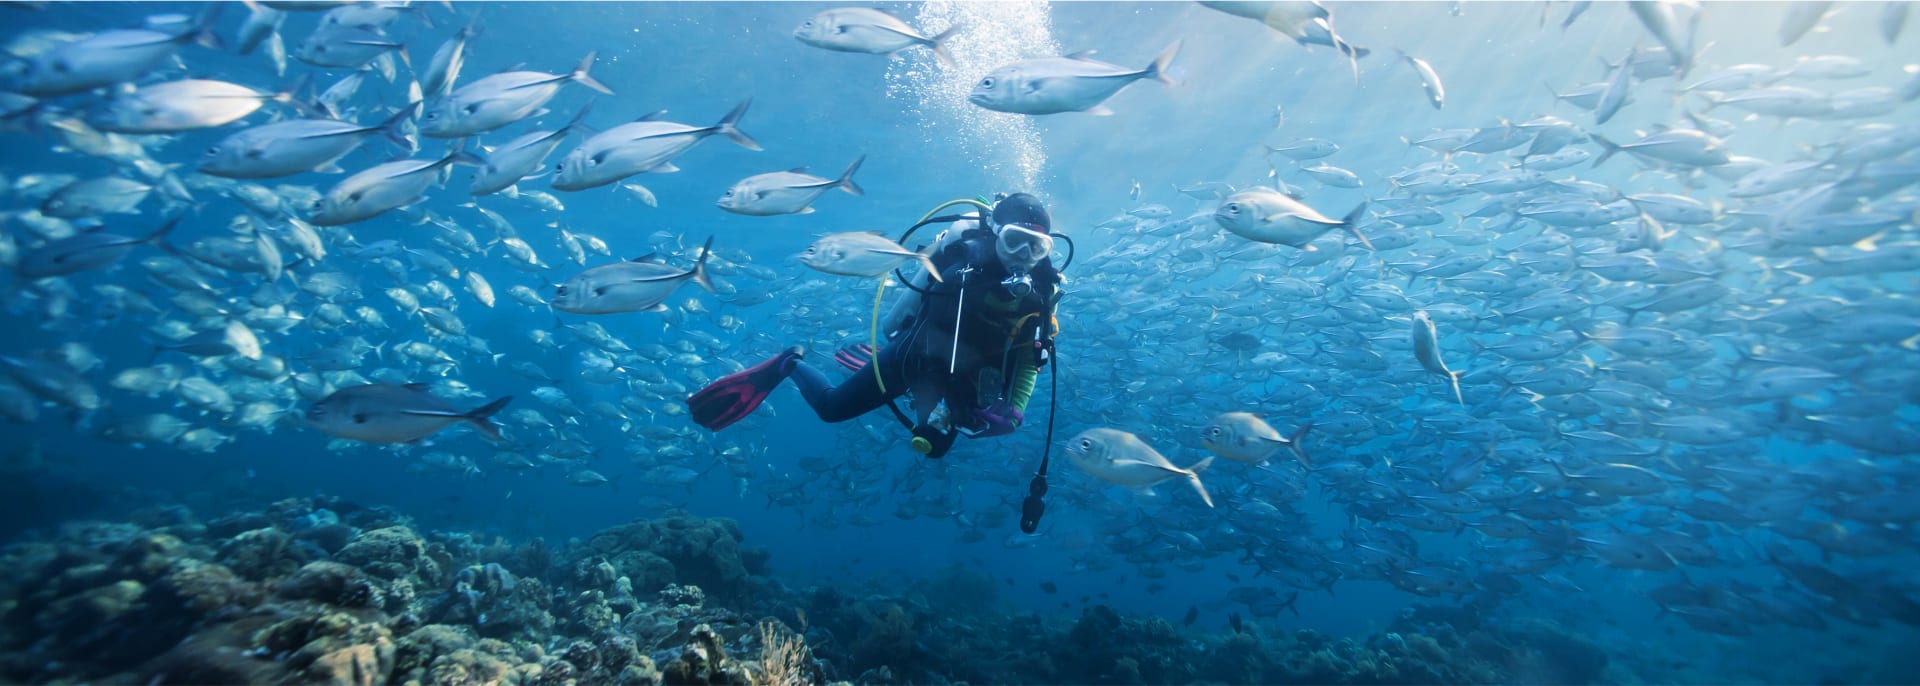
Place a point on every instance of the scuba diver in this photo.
(976, 337)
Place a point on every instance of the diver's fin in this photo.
(736, 395)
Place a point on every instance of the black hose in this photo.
(1035, 505)
(1073, 250)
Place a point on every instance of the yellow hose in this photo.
(873, 335)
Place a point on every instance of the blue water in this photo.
(1242, 86)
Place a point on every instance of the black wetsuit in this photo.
(922, 351)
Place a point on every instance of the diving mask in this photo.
(1021, 247)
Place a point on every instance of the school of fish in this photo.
(1480, 345)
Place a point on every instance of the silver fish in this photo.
(84, 252)
(508, 164)
(291, 147)
(109, 58)
(95, 197)
(176, 106)
(1429, 79)
(627, 286)
(500, 99)
(1121, 458)
(345, 46)
(1426, 349)
(648, 145)
(860, 253)
(1074, 83)
(386, 413)
(445, 66)
(381, 188)
(1245, 438)
(1268, 216)
(871, 31)
(787, 192)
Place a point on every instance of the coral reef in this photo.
(325, 592)
(678, 548)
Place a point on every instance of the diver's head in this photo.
(1023, 225)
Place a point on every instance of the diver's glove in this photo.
(1000, 419)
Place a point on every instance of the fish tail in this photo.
(926, 260)
(1293, 444)
(846, 178)
(393, 127)
(700, 266)
(481, 417)
(1453, 377)
(938, 43)
(164, 229)
(459, 155)
(1158, 70)
(289, 95)
(1352, 223)
(579, 120)
(579, 75)
(1610, 149)
(203, 32)
(1193, 475)
(729, 126)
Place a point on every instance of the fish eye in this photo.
(806, 24)
(432, 116)
(215, 150)
(986, 82)
(1086, 444)
(1233, 207)
(559, 290)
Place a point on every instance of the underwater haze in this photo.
(1397, 342)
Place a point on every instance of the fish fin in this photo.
(927, 261)
(729, 126)
(161, 233)
(579, 75)
(329, 168)
(1158, 70)
(1193, 477)
(700, 266)
(392, 127)
(480, 417)
(665, 168)
(1293, 444)
(1608, 146)
(655, 115)
(1352, 223)
(1099, 111)
(1081, 55)
(846, 178)
(203, 32)
(939, 44)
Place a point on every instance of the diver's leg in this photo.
(860, 394)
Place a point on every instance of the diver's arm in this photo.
(1025, 375)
